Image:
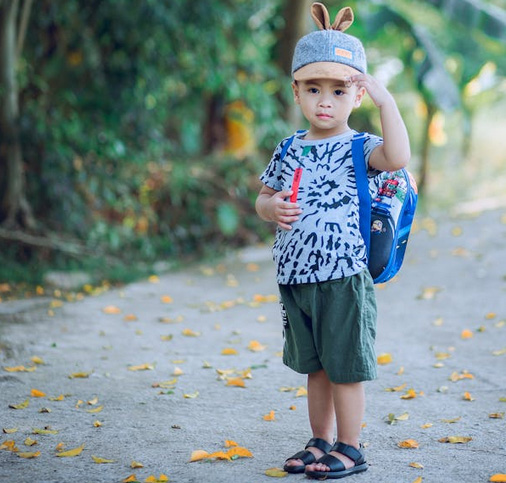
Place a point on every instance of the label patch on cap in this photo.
(338, 52)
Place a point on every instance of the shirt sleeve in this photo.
(271, 177)
(371, 142)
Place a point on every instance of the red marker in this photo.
(297, 175)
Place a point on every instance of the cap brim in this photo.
(324, 70)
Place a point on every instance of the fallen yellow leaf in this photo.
(22, 405)
(384, 358)
(455, 376)
(410, 394)
(142, 367)
(136, 464)
(30, 442)
(190, 333)
(177, 371)
(416, 465)
(236, 381)
(161, 479)
(496, 415)
(130, 318)
(230, 443)
(166, 299)
(302, 391)
(95, 410)
(111, 309)
(19, 369)
(229, 352)
(418, 480)
(191, 395)
(255, 346)
(451, 421)
(97, 424)
(9, 430)
(456, 439)
(466, 334)
(429, 293)
(37, 360)
(29, 455)
(498, 478)
(467, 397)
(44, 431)
(396, 388)
(198, 455)
(99, 461)
(408, 443)
(276, 473)
(130, 479)
(61, 397)
(71, 453)
(239, 452)
(79, 375)
(37, 393)
(270, 416)
(9, 445)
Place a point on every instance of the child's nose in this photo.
(325, 100)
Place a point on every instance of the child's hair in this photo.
(323, 53)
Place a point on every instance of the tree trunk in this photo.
(14, 207)
(297, 23)
(424, 157)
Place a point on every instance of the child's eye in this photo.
(313, 90)
(338, 92)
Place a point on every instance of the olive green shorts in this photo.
(331, 326)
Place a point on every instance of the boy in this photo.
(327, 294)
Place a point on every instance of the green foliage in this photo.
(119, 100)
(124, 109)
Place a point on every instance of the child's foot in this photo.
(343, 460)
(315, 449)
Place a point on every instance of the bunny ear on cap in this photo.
(328, 53)
(343, 20)
(320, 15)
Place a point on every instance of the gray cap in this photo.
(329, 52)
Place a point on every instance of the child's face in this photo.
(327, 104)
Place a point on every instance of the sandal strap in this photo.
(319, 443)
(351, 452)
(305, 456)
(334, 464)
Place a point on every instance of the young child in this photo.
(327, 295)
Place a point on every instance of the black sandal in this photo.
(337, 468)
(306, 456)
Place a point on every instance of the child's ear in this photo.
(359, 96)
(295, 88)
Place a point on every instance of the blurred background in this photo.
(132, 132)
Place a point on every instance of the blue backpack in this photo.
(386, 217)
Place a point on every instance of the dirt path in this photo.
(178, 327)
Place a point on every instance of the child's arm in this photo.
(395, 152)
(271, 206)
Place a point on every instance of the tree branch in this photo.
(23, 24)
(50, 242)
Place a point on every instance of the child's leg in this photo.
(321, 411)
(320, 406)
(349, 405)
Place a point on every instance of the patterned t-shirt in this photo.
(325, 243)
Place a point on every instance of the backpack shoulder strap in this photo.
(364, 197)
(289, 143)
